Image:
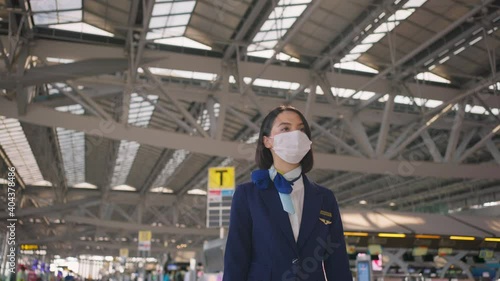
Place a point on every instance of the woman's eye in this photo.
(302, 129)
(285, 129)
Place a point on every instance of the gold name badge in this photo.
(325, 213)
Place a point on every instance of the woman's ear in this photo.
(268, 142)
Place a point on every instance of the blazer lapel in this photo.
(278, 215)
(310, 213)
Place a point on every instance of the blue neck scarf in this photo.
(263, 178)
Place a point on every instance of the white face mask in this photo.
(291, 146)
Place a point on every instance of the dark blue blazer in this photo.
(260, 243)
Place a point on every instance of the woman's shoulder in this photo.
(245, 187)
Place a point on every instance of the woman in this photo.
(282, 226)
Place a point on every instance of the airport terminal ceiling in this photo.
(111, 111)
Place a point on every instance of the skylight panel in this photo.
(319, 91)
(126, 156)
(183, 74)
(275, 27)
(361, 48)
(179, 7)
(178, 20)
(476, 109)
(495, 86)
(342, 92)
(42, 183)
(124, 187)
(429, 76)
(59, 60)
(183, 42)
(161, 189)
(276, 24)
(274, 84)
(364, 95)
(384, 98)
(72, 145)
(53, 12)
(356, 66)
(177, 158)
(287, 11)
(197, 191)
(169, 21)
(17, 148)
(401, 15)
(402, 99)
(43, 5)
(141, 110)
(161, 9)
(85, 185)
(386, 27)
(475, 40)
(433, 103)
(270, 53)
(350, 57)
(373, 38)
(392, 21)
(414, 4)
(73, 109)
(83, 28)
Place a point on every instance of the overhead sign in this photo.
(124, 252)
(221, 183)
(445, 251)
(420, 251)
(375, 249)
(29, 247)
(144, 240)
(221, 178)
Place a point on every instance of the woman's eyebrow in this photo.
(284, 123)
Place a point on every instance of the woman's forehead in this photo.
(287, 117)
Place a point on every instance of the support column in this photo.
(395, 257)
(455, 260)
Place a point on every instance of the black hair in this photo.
(263, 156)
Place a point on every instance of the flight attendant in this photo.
(284, 227)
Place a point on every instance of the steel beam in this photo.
(356, 30)
(359, 134)
(257, 11)
(57, 208)
(243, 118)
(311, 99)
(336, 140)
(464, 143)
(493, 150)
(423, 46)
(487, 136)
(160, 138)
(450, 45)
(455, 132)
(166, 154)
(177, 104)
(45, 48)
(442, 110)
(431, 146)
(63, 72)
(211, 115)
(197, 94)
(384, 126)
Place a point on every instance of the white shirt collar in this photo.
(293, 174)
